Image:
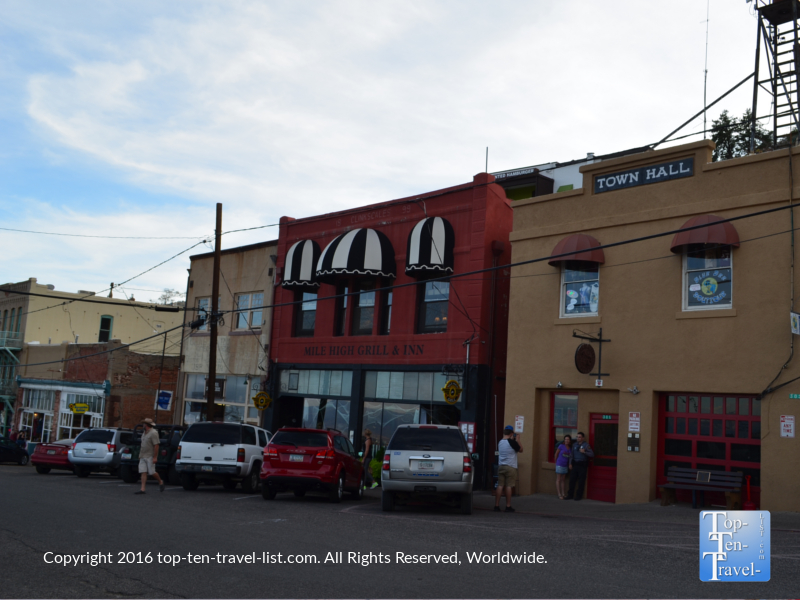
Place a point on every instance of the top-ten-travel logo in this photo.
(734, 545)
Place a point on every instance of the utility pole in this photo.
(211, 382)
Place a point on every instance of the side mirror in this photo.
(475, 456)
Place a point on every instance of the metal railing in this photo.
(10, 339)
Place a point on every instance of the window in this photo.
(204, 310)
(364, 309)
(39, 399)
(707, 277)
(580, 288)
(386, 314)
(306, 314)
(248, 436)
(106, 324)
(10, 325)
(249, 311)
(434, 300)
(262, 438)
(341, 309)
(19, 319)
(563, 420)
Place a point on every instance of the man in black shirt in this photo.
(578, 466)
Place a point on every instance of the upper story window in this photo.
(341, 309)
(306, 313)
(707, 276)
(364, 308)
(106, 326)
(580, 288)
(249, 310)
(204, 311)
(434, 299)
(386, 313)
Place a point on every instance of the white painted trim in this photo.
(60, 388)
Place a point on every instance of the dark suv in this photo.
(169, 438)
(306, 460)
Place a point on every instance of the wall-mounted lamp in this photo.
(634, 390)
(559, 385)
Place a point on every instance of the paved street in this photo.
(592, 550)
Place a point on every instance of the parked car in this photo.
(54, 455)
(427, 462)
(304, 460)
(98, 450)
(169, 438)
(11, 452)
(227, 453)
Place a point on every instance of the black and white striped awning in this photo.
(301, 261)
(358, 252)
(430, 248)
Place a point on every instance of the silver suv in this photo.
(99, 449)
(427, 462)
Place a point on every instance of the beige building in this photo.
(246, 290)
(39, 314)
(698, 324)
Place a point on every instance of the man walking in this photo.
(148, 455)
(508, 449)
(578, 466)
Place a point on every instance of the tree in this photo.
(732, 136)
(168, 295)
(762, 137)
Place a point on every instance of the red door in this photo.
(603, 436)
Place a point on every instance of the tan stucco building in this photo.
(698, 323)
(248, 275)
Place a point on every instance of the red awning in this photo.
(716, 233)
(578, 247)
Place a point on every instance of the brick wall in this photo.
(134, 381)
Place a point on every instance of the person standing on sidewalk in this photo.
(578, 467)
(148, 455)
(508, 449)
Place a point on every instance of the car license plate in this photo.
(51, 451)
(89, 451)
(425, 464)
(296, 457)
(207, 468)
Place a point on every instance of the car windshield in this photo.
(98, 436)
(441, 440)
(301, 438)
(213, 433)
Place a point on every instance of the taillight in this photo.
(386, 462)
(65, 450)
(270, 452)
(179, 451)
(240, 455)
(323, 454)
(467, 468)
(112, 447)
(73, 445)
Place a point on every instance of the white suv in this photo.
(226, 453)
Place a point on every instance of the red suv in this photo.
(310, 460)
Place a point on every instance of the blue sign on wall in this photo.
(675, 169)
(734, 545)
(163, 400)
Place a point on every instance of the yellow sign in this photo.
(79, 409)
(451, 391)
(262, 400)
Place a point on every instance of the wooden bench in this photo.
(699, 480)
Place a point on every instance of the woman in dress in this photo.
(563, 452)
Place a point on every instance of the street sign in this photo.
(634, 421)
(787, 426)
(262, 400)
(163, 400)
(79, 409)
(452, 391)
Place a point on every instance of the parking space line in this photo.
(106, 482)
(246, 497)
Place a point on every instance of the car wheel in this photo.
(466, 503)
(128, 474)
(251, 482)
(387, 501)
(337, 491)
(299, 493)
(23, 460)
(189, 482)
(267, 493)
(42, 470)
(173, 477)
(358, 493)
(82, 472)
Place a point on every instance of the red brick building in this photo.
(373, 316)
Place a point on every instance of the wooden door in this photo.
(603, 438)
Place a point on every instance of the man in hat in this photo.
(148, 455)
(508, 448)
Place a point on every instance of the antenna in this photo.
(487, 160)
(705, 73)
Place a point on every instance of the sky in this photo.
(133, 119)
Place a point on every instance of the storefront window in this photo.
(312, 381)
(707, 277)
(320, 413)
(433, 307)
(563, 419)
(306, 314)
(364, 309)
(580, 288)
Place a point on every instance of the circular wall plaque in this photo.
(584, 358)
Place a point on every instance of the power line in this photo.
(106, 237)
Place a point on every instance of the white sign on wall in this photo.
(795, 320)
(787, 426)
(634, 421)
(519, 423)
